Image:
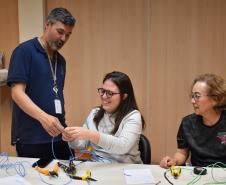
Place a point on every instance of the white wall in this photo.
(31, 14)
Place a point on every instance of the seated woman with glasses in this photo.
(203, 133)
(112, 129)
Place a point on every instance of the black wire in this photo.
(167, 177)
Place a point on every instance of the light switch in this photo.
(1, 60)
(3, 75)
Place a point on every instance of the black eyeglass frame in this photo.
(108, 93)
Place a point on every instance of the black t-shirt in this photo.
(207, 144)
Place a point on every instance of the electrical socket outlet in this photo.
(3, 75)
(1, 59)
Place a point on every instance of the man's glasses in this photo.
(108, 93)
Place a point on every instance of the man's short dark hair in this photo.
(62, 15)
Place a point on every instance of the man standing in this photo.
(36, 77)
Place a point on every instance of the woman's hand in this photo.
(178, 159)
(75, 133)
(167, 162)
(78, 133)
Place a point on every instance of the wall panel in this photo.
(187, 38)
(109, 35)
(9, 40)
(161, 44)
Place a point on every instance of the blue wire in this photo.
(53, 149)
(18, 166)
(97, 158)
(56, 159)
(71, 157)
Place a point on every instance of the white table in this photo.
(109, 174)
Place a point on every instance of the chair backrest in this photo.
(145, 149)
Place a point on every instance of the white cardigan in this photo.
(121, 147)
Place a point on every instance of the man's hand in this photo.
(51, 124)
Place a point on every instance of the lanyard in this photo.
(53, 72)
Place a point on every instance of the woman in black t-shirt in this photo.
(203, 134)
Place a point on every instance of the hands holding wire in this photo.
(75, 133)
(80, 133)
(52, 125)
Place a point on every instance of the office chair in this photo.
(145, 149)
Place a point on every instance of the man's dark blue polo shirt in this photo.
(29, 64)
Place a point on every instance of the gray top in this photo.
(121, 147)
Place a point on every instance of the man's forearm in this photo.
(25, 103)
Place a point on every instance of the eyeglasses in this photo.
(197, 96)
(108, 93)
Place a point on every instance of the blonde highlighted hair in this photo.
(216, 88)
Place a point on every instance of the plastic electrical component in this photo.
(175, 171)
(200, 171)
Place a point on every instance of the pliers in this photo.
(86, 177)
(70, 170)
(46, 171)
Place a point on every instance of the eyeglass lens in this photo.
(195, 96)
(108, 93)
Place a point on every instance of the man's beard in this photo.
(56, 45)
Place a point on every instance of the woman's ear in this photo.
(125, 96)
(214, 101)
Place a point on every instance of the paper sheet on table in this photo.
(138, 176)
(15, 180)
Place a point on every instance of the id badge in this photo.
(58, 107)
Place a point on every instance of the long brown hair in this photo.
(122, 81)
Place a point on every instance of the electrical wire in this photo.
(217, 165)
(6, 165)
(215, 181)
(165, 175)
(71, 158)
(198, 177)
